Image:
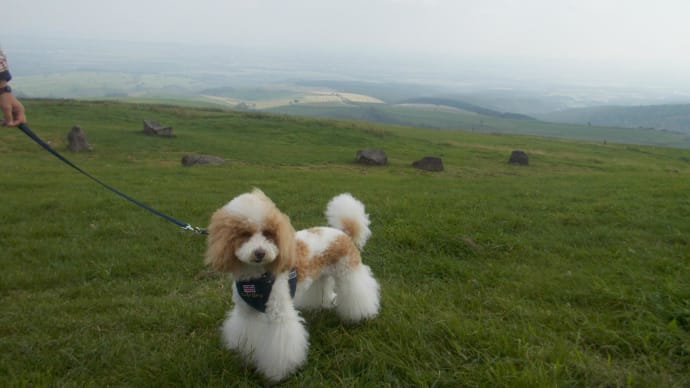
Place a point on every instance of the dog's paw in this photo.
(330, 300)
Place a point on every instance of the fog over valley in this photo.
(534, 58)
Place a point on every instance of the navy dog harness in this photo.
(257, 291)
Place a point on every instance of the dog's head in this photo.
(250, 233)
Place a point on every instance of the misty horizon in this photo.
(40, 55)
(587, 43)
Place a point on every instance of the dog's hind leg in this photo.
(316, 294)
(357, 294)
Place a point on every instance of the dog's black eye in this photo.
(269, 234)
(246, 234)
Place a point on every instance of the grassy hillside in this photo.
(665, 117)
(84, 84)
(433, 116)
(387, 103)
(463, 105)
(572, 271)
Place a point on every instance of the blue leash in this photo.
(48, 148)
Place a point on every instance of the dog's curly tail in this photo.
(346, 213)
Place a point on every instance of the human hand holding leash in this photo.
(12, 109)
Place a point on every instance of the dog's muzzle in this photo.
(259, 255)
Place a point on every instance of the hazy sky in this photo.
(621, 36)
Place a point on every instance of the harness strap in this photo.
(50, 149)
(257, 291)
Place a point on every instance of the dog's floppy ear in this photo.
(285, 239)
(220, 244)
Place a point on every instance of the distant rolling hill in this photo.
(662, 117)
(388, 92)
(440, 116)
(467, 106)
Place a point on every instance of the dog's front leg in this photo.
(281, 347)
(237, 328)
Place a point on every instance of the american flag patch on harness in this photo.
(255, 292)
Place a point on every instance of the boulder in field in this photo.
(192, 159)
(152, 127)
(429, 163)
(372, 156)
(519, 157)
(76, 139)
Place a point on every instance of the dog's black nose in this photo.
(259, 254)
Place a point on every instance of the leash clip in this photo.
(195, 229)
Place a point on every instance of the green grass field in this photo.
(435, 117)
(85, 84)
(301, 99)
(572, 271)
